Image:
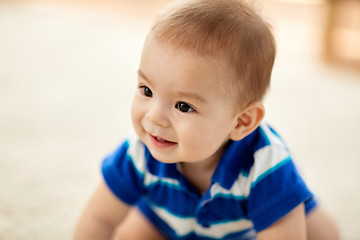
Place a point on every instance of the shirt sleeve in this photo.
(275, 193)
(123, 171)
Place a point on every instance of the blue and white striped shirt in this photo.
(254, 185)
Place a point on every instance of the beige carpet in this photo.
(67, 73)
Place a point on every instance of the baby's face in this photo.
(179, 110)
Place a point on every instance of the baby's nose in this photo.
(157, 115)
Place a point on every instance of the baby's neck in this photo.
(200, 178)
(199, 174)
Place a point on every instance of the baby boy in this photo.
(202, 163)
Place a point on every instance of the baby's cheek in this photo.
(136, 108)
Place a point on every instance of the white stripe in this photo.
(182, 226)
(240, 188)
(185, 226)
(222, 229)
(137, 152)
(273, 138)
(267, 158)
(151, 179)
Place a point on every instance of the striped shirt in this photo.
(254, 185)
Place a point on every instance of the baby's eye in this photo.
(184, 107)
(146, 91)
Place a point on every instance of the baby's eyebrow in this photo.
(142, 75)
(193, 96)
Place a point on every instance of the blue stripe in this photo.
(174, 201)
(224, 210)
(264, 140)
(230, 196)
(245, 173)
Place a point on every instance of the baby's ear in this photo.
(247, 121)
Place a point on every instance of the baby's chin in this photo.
(163, 157)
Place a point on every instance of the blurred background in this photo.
(68, 71)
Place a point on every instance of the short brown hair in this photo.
(229, 31)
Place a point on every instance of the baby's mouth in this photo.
(161, 139)
(160, 142)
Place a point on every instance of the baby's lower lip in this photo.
(160, 142)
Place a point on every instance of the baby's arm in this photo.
(291, 226)
(317, 225)
(137, 226)
(102, 214)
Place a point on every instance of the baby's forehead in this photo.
(215, 60)
(214, 68)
